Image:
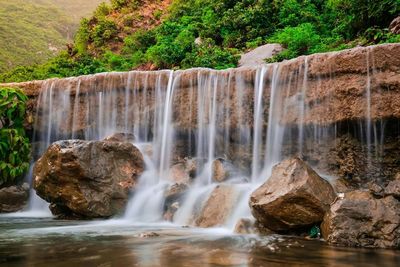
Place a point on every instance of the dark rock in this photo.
(170, 212)
(14, 198)
(393, 189)
(376, 189)
(294, 197)
(358, 219)
(191, 167)
(90, 179)
(63, 212)
(261, 229)
(173, 197)
(175, 192)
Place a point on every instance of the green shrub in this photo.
(141, 40)
(102, 10)
(117, 4)
(211, 56)
(104, 30)
(173, 42)
(114, 62)
(356, 16)
(14, 145)
(82, 37)
(300, 40)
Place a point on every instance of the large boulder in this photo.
(394, 26)
(257, 56)
(217, 208)
(294, 197)
(359, 219)
(14, 198)
(88, 179)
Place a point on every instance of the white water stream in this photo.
(201, 114)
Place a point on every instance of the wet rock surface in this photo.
(245, 226)
(393, 187)
(178, 173)
(121, 137)
(336, 88)
(294, 197)
(360, 219)
(14, 198)
(173, 199)
(217, 208)
(220, 171)
(88, 179)
(330, 100)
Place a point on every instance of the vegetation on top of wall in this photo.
(14, 145)
(156, 34)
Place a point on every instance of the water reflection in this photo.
(46, 243)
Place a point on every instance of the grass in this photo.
(32, 31)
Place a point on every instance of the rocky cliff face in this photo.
(339, 111)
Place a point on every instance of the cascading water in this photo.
(236, 116)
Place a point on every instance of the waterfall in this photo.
(250, 118)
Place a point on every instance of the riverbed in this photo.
(48, 242)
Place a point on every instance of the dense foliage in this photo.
(14, 145)
(212, 33)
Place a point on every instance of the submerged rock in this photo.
(245, 226)
(14, 198)
(218, 207)
(294, 197)
(359, 219)
(147, 235)
(89, 179)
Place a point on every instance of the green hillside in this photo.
(77, 9)
(32, 31)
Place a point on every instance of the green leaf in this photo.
(14, 146)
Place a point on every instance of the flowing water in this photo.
(236, 115)
(44, 242)
(203, 115)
